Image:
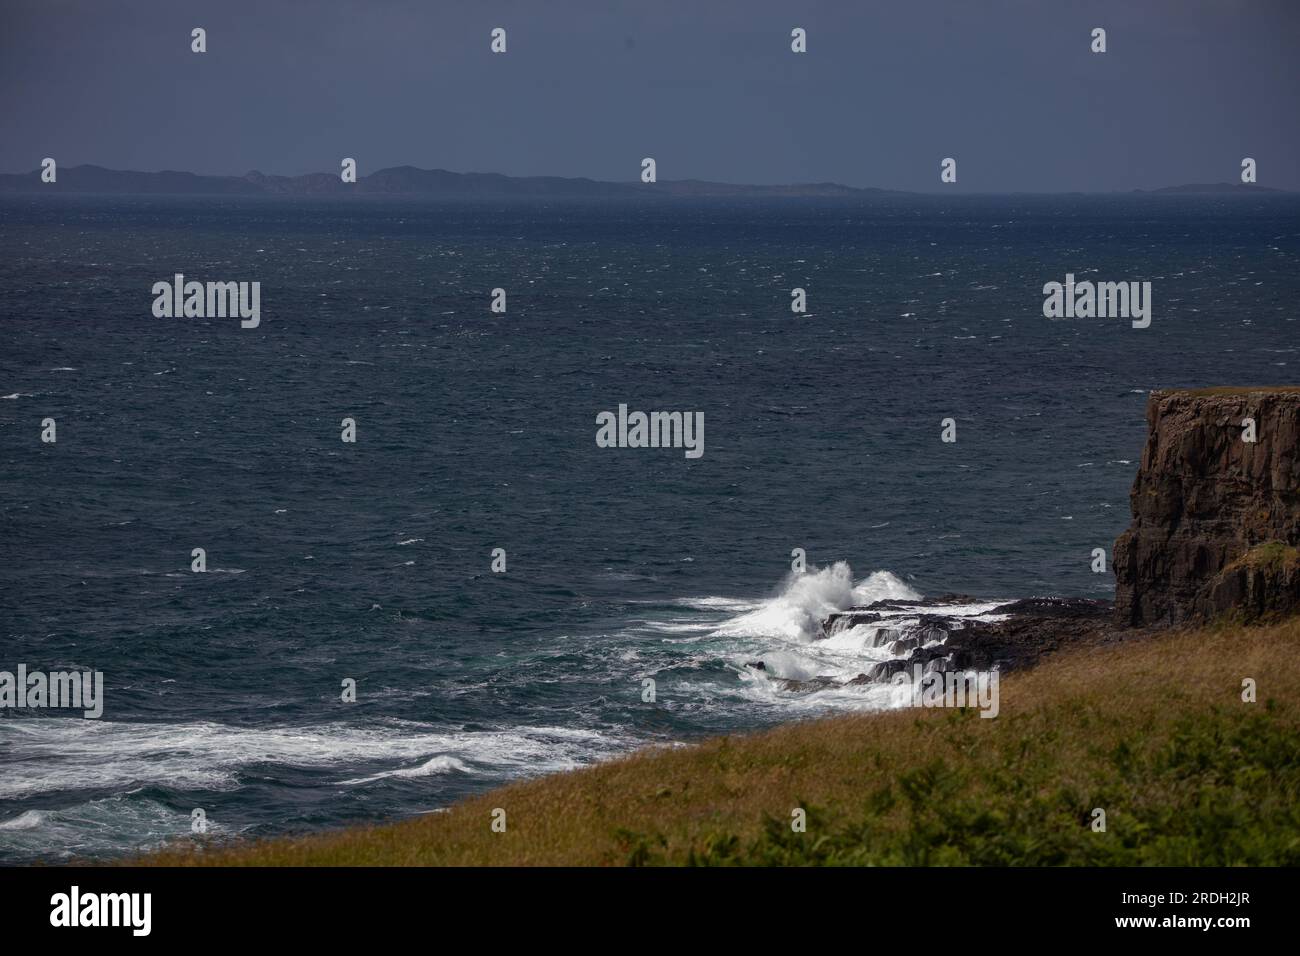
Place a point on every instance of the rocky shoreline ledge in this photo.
(1215, 530)
(958, 632)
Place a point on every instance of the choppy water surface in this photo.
(371, 561)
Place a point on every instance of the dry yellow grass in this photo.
(1153, 731)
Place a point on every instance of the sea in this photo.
(506, 597)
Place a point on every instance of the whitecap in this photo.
(808, 599)
(434, 765)
(28, 820)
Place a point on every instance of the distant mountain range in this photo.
(397, 181)
(441, 184)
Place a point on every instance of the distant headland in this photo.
(411, 182)
(400, 181)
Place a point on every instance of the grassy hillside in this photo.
(1155, 732)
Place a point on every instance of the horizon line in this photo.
(695, 181)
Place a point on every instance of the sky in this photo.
(711, 89)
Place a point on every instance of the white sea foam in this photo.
(103, 826)
(718, 604)
(66, 754)
(806, 600)
(678, 626)
(434, 765)
(27, 820)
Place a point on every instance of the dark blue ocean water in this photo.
(477, 430)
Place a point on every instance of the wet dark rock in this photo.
(841, 621)
(1056, 607)
(883, 671)
(1023, 639)
(933, 632)
(885, 635)
(806, 686)
(923, 655)
(894, 604)
(1032, 628)
(845, 620)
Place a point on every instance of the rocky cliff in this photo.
(1216, 516)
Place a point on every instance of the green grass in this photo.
(1274, 556)
(1154, 732)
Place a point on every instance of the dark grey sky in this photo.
(710, 89)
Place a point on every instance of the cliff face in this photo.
(1216, 519)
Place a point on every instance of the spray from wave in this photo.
(807, 599)
(823, 642)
